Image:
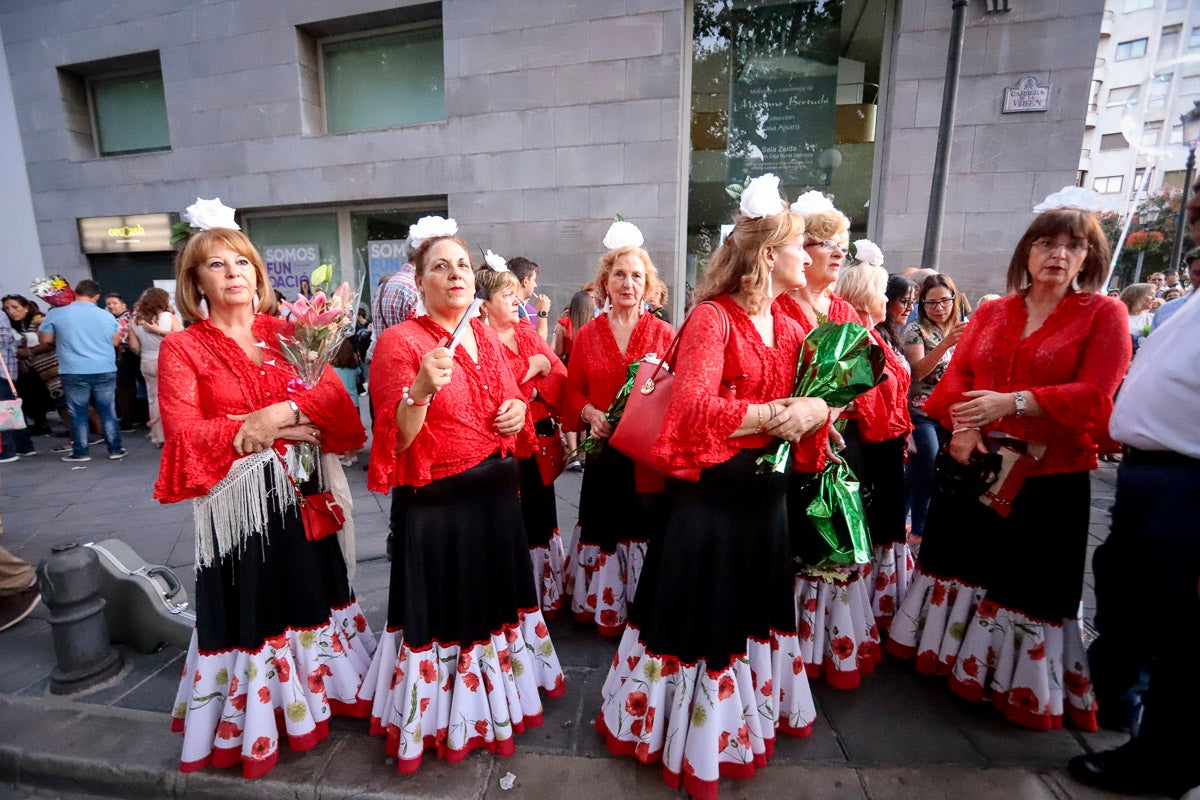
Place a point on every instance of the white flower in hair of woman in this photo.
(867, 252)
(761, 197)
(207, 214)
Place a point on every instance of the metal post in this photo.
(1181, 222)
(931, 254)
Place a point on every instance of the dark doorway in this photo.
(129, 274)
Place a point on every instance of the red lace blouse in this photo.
(598, 369)
(882, 412)
(715, 380)
(550, 388)
(1072, 364)
(204, 375)
(809, 453)
(459, 425)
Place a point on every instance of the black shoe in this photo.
(1130, 769)
(389, 545)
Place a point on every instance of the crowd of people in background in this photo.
(711, 571)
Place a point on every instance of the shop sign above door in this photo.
(133, 233)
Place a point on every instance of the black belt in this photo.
(1163, 458)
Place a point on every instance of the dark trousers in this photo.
(130, 411)
(1147, 610)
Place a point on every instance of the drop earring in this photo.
(203, 306)
(254, 301)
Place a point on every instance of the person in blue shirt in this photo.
(1192, 260)
(86, 337)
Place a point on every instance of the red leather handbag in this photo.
(646, 408)
(321, 514)
(551, 457)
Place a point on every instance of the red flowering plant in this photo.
(322, 323)
(1144, 240)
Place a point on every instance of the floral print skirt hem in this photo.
(705, 723)
(888, 577)
(838, 635)
(1036, 672)
(932, 621)
(454, 699)
(233, 706)
(549, 566)
(602, 584)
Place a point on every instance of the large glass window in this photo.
(377, 239)
(1134, 48)
(130, 114)
(384, 80)
(294, 245)
(1109, 184)
(789, 88)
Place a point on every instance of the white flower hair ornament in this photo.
(495, 262)
(428, 228)
(206, 214)
(867, 252)
(1072, 197)
(761, 198)
(812, 202)
(622, 234)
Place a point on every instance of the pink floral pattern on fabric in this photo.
(1034, 671)
(837, 631)
(233, 705)
(549, 568)
(932, 621)
(888, 577)
(601, 585)
(454, 699)
(704, 724)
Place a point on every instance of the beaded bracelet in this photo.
(411, 402)
(762, 423)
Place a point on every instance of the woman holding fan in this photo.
(466, 649)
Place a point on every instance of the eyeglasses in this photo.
(905, 302)
(943, 303)
(829, 246)
(1047, 246)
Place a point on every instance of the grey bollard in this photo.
(70, 582)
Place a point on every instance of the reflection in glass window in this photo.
(384, 80)
(130, 114)
(1120, 95)
(293, 245)
(789, 88)
(1135, 48)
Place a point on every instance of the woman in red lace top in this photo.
(1041, 365)
(615, 518)
(278, 632)
(543, 380)
(838, 635)
(447, 414)
(877, 427)
(709, 668)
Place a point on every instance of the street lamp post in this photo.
(1191, 132)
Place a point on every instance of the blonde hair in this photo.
(193, 255)
(863, 286)
(739, 265)
(488, 281)
(824, 225)
(606, 267)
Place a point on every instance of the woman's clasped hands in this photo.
(261, 429)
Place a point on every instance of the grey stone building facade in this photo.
(542, 121)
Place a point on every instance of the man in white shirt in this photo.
(1147, 572)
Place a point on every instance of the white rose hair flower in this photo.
(206, 214)
(494, 261)
(761, 197)
(429, 227)
(622, 234)
(1071, 197)
(868, 252)
(812, 202)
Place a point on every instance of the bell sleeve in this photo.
(395, 367)
(1084, 405)
(551, 388)
(698, 418)
(198, 451)
(332, 411)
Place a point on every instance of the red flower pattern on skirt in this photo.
(635, 704)
(228, 730)
(725, 688)
(264, 694)
(842, 646)
(1076, 683)
(1038, 651)
(428, 672)
(261, 746)
(283, 670)
(939, 594)
(481, 727)
(971, 666)
(470, 680)
(541, 630)
(1026, 699)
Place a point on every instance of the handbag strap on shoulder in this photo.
(668, 358)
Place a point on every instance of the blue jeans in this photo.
(99, 389)
(927, 437)
(13, 441)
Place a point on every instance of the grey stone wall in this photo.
(22, 260)
(558, 116)
(1001, 165)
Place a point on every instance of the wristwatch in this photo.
(543, 314)
(1019, 400)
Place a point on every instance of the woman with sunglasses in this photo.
(928, 343)
(997, 596)
(838, 635)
